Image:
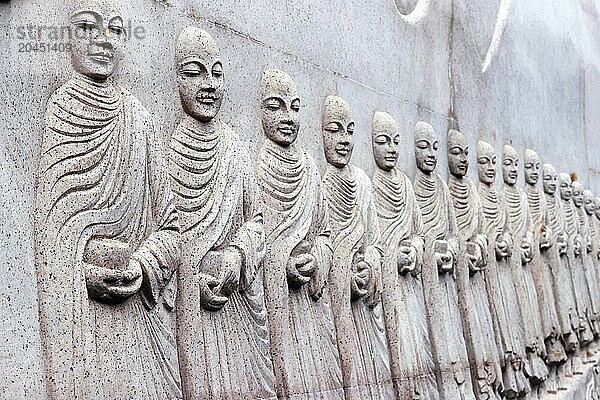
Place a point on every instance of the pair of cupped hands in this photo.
(115, 285)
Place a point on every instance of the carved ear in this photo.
(573, 176)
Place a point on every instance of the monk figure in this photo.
(298, 251)
(574, 257)
(541, 268)
(107, 235)
(477, 319)
(354, 280)
(520, 264)
(402, 296)
(499, 282)
(439, 269)
(586, 250)
(597, 222)
(222, 333)
(555, 255)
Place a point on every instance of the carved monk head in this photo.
(385, 140)
(458, 153)
(98, 38)
(588, 202)
(549, 178)
(565, 186)
(510, 164)
(597, 208)
(486, 163)
(532, 167)
(338, 131)
(280, 107)
(199, 74)
(577, 188)
(426, 147)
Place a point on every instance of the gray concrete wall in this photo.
(541, 90)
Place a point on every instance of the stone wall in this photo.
(539, 90)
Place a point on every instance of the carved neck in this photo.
(207, 129)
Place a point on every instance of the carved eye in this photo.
(397, 140)
(467, 151)
(295, 105)
(272, 104)
(217, 70)
(482, 160)
(381, 139)
(350, 128)
(528, 165)
(435, 145)
(506, 163)
(455, 151)
(332, 127)
(494, 160)
(116, 29)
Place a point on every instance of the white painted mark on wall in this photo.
(501, 20)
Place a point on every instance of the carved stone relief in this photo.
(541, 269)
(107, 239)
(499, 279)
(402, 242)
(222, 335)
(472, 260)
(439, 269)
(354, 280)
(298, 256)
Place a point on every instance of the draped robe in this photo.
(580, 290)
(359, 322)
(223, 354)
(473, 299)
(566, 307)
(501, 292)
(403, 301)
(441, 296)
(589, 269)
(103, 179)
(296, 222)
(542, 275)
(520, 220)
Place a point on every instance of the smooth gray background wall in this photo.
(540, 90)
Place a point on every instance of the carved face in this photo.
(385, 141)
(338, 131)
(510, 165)
(597, 209)
(458, 152)
(486, 163)
(565, 186)
(280, 107)
(98, 38)
(588, 202)
(199, 74)
(550, 178)
(577, 193)
(532, 167)
(426, 147)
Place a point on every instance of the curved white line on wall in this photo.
(417, 13)
(501, 20)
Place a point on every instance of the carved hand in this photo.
(360, 280)
(526, 256)
(230, 272)
(444, 262)
(113, 286)
(475, 260)
(545, 242)
(577, 246)
(561, 241)
(208, 299)
(589, 244)
(300, 268)
(407, 258)
(501, 249)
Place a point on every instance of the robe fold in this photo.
(566, 307)
(502, 295)
(223, 354)
(441, 295)
(475, 308)
(359, 322)
(580, 290)
(519, 216)
(411, 359)
(296, 222)
(103, 179)
(542, 275)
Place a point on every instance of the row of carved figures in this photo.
(197, 275)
